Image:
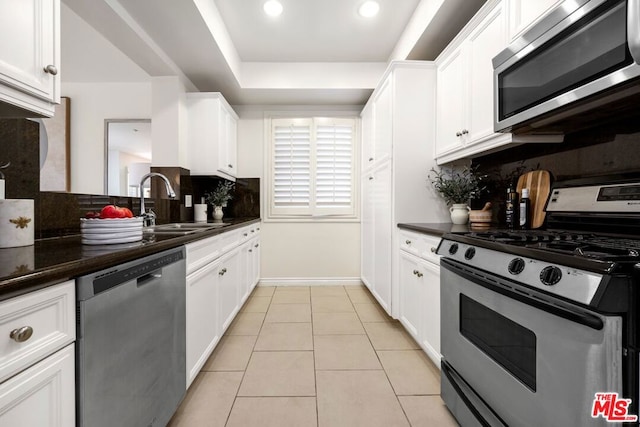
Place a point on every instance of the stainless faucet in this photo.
(149, 218)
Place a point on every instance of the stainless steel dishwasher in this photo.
(130, 353)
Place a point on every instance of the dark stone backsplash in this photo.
(600, 151)
(58, 214)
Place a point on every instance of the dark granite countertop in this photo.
(50, 261)
(436, 228)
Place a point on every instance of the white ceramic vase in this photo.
(217, 212)
(459, 213)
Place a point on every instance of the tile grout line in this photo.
(244, 372)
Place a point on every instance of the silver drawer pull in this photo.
(250, 250)
(21, 334)
(51, 69)
(415, 272)
(245, 234)
(256, 245)
(408, 242)
(433, 249)
(419, 274)
(221, 273)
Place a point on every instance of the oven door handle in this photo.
(504, 287)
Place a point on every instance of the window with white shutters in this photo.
(312, 168)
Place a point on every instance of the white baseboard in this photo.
(310, 281)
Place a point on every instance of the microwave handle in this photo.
(633, 29)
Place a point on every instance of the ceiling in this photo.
(317, 52)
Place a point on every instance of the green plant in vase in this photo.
(219, 197)
(457, 187)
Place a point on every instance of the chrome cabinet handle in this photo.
(245, 234)
(256, 245)
(433, 249)
(415, 272)
(253, 231)
(370, 178)
(250, 250)
(371, 159)
(408, 242)
(221, 272)
(21, 334)
(464, 131)
(230, 166)
(51, 69)
(419, 274)
(458, 133)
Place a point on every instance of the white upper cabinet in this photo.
(383, 122)
(524, 13)
(465, 85)
(465, 110)
(29, 57)
(212, 135)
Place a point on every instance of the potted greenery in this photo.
(219, 197)
(457, 187)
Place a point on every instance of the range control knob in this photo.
(550, 275)
(470, 253)
(453, 248)
(516, 266)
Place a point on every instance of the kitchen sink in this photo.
(182, 228)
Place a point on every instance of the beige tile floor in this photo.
(315, 356)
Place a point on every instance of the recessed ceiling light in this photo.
(273, 8)
(369, 9)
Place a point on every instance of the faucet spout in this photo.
(170, 193)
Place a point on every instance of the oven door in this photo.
(532, 362)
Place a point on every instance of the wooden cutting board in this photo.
(539, 184)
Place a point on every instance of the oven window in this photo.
(510, 345)
(590, 49)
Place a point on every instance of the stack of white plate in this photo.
(109, 231)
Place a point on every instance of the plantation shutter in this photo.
(334, 164)
(292, 164)
(312, 168)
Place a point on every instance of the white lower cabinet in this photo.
(419, 276)
(203, 331)
(229, 283)
(222, 272)
(37, 358)
(42, 395)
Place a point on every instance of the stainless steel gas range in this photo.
(540, 328)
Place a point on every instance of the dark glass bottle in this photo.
(525, 210)
(512, 208)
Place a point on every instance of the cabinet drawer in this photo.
(49, 313)
(202, 252)
(421, 245)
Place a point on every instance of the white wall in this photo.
(297, 253)
(91, 104)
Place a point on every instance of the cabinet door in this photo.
(485, 42)
(245, 272)
(255, 270)
(382, 237)
(367, 137)
(228, 282)
(451, 94)
(412, 299)
(42, 395)
(382, 121)
(30, 51)
(367, 236)
(429, 335)
(228, 143)
(203, 331)
(524, 13)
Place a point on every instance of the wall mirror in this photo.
(127, 156)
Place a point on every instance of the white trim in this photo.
(310, 281)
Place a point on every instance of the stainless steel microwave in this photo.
(575, 68)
